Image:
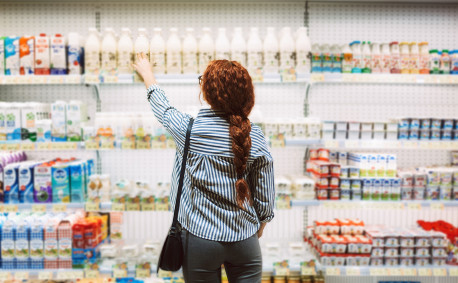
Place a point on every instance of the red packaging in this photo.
(323, 154)
(78, 234)
(90, 234)
(334, 194)
(313, 154)
(334, 169)
(334, 182)
(321, 193)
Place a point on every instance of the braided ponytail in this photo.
(227, 86)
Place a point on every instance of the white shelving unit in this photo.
(330, 97)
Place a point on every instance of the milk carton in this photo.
(58, 55)
(43, 130)
(77, 181)
(76, 115)
(21, 244)
(11, 183)
(74, 54)
(12, 56)
(64, 244)
(2, 56)
(42, 55)
(59, 121)
(60, 181)
(27, 55)
(8, 235)
(26, 191)
(13, 122)
(42, 184)
(28, 119)
(50, 243)
(3, 107)
(36, 244)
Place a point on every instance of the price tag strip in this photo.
(281, 268)
(59, 208)
(332, 271)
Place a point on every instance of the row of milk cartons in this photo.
(33, 121)
(57, 181)
(113, 55)
(41, 55)
(31, 241)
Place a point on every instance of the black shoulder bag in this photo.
(171, 257)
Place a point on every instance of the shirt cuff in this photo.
(267, 219)
(152, 88)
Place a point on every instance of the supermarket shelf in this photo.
(317, 78)
(42, 274)
(423, 271)
(41, 146)
(41, 80)
(40, 207)
(382, 204)
(377, 144)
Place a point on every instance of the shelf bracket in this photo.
(306, 101)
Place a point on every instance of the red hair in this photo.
(227, 86)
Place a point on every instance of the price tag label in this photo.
(28, 146)
(55, 79)
(332, 271)
(10, 80)
(118, 207)
(439, 272)
(59, 207)
(162, 206)
(425, 272)
(280, 270)
(72, 79)
(377, 272)
(395, 272)
(307, 271)
(43, 146)
(331, 144)
(10, 208)
(352, 144)
(92, 206)
(107, 145)
(70, 146)
(410, 272)
(128, 145)
(453, 272)
(90, 145)
(5, 276)
(145, 273)
(147, 206)
(163, 273)
(277, 142)
(44, 275)
(91, 79)
(90, 273)
(2, 208)
(317, 78)
(353, 271)
(119, 273)
(22, 275)
(39, 208)
(143, 145)
(109, 79)
(132, 207)
(63, 275)
(416, 206)
(437, 206)
(12, 146)
(77, 274)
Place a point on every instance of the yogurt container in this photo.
(406, 261)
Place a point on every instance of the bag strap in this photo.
(183, 169)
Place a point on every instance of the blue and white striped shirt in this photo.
(208, 206)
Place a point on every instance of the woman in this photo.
(228, 191)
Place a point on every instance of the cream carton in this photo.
(13, 122)
(37, 243)
(26, 181)
(12, 56)
(3, 107)
(76, 115)
(42, 56)
(58, 55)
(8, 235)
(28, 119)
(42, 183)
(77, 181)
(22, 244)
(27, 55)
(2, 56)
(59, 121)
(11, 183)
(60, 180)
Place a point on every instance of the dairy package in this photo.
(92, 53)
(26, 182)
(2, 56)
(60, 182)
(58, 55)
(173, 54)
(42, 184)
(21, 244)
(44, 130)
(76, 115)
(3, 107)
(11, 183)
(28, 121)
(13, 122)
(190, 53)
(36, 243)
(50, 244)
(109, 52)
(157, 52)
(12, 56)
(8, 230)
(27, 55)
(206, 49)
(42, 55)
(59, 121)
(74, 54)
(64, 244)
(77, 181)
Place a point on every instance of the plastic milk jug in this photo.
(254, 51)
(173, 53)
(92, 53)
(190, 53)
(271, 51)
(109, 52)
(238, 47)
(206, 49)
(125, 52)
(157, 52)
(303, 49)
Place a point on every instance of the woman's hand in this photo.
(261, 229)
(143, 68)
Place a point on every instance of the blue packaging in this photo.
(435, 135)
(425, 134)
(77, 181)
(436, 124)
(448, 124)
(414, 124)
(8, 234)
(11, 183)
(26, 182)
(11, 56)
(403, 134)
(413, 135)
(425, 124)
(21, 245)
(90, 167)
(447, 135)
(60, 176)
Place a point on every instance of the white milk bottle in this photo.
(287, 49)
(357, 58)
(376, 58)
(190, 53)
(157, 49)
(206, 49)
(173, 53)
(74, 54)
(424, 58)
(303, 48)
(238, 47)
(126, 53)
(254, 51)
(92, 53)
(141, 45)
(271, 52)
(385, 63)
(109, 52)
(222, 45)
(367, 57)
(347, 61)
(414, 65)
